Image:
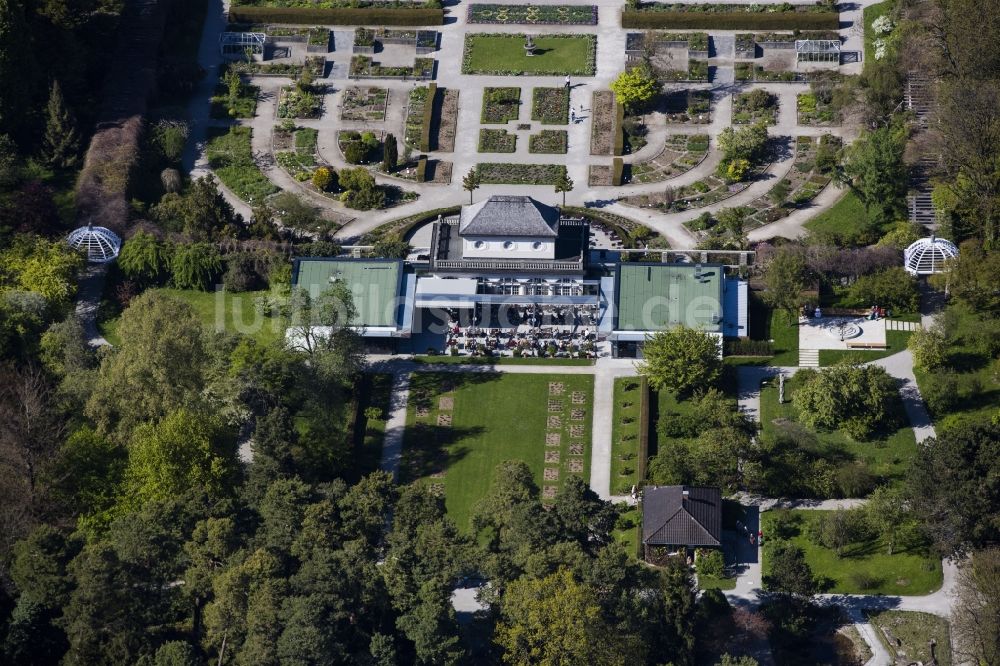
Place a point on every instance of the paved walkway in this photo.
(88, 300)
(610, 60)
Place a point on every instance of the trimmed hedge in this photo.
(422, 170)
(617, 168)
(643, 428)
(662, 20)
(337, 16)
(619, 147)
(425, 130)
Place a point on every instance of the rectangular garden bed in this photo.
(504, 55)
(447, 121)
(697, 71)
(417, 117)
(230, 156)
(548, 142)
(599, 174)
(364, 104)
(502, 173)
(533, 14)
(295, 151)
(363, 67)
(732, 17)
(297, 101)
(810, 110)
(550, 106)
(496, 141)
(752, 107)
(500, 105)
(603, 127)
(689, 106)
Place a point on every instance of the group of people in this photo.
(876, 313)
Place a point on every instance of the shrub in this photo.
(337, 15)
(325, 179)
(942, 392)
(356, 152)
(736, 20)
(711, 563)
(928, 348)
(195, 266)
(892, 288)
(865, 580)
(619, 147)
(617, 168)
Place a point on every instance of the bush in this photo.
(195, 266)
(425, 128)
(747, 347)
(711, 563)
(337, 15)
(892, 288)
(619, 147)
(942, 392)
(737, 20)
(617, 169)
(928, 348)
(325, 179)
(356, 152)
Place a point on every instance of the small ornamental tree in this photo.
(195, 266)
(471, 182)
(635, 86)
(681, 359)
(563, 185)
(390, 153)
(324, 178)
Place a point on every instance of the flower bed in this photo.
(550, 105)
(497, 141)
(447, 127)
(746, 45)
(295, 151)
(689, 106)
(533, 14)
(782, 16)
(231, 158)
(504, 55)
(419, 108)
(364, 104)
(755, 106)
(813, 111)
(680, 153)
(300, 102)
(697, 70)
(500, 105)
(599, 175)
(603, 126)
(548, 142)
(501, 173)
(315, 64)
(363, 67)
(807, 178)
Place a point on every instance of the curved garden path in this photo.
(610, 60)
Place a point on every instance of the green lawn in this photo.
(712, 583)
(895, 343)
(784, 332)
(625, 434)
(504, 55)
(886, 459)
(627, 531)
(844, 223)
(910, 570)
(245, 107)
(494, 417)
(915, 630)
(222, 311)
(871, 13)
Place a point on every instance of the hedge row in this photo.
(643, 456)
(617, 168)
(422, 170)
(748, 347)
(619, 147)
(659, 20)
(425, 129)
(337, 16)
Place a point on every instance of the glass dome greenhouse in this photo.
(927, 256)
(101, 245)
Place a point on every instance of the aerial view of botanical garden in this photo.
(514, 332)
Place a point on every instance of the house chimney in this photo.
(684, 495)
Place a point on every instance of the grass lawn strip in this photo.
(504, 55)
(375, 391)
(895, 342)
(914, 630)
(625, 435)
(886, 459)
(460, 426)
(909, 570)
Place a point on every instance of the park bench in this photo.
(865, 345)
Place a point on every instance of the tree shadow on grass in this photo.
(427, 449)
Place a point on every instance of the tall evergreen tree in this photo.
(390, 153)
(62, 142)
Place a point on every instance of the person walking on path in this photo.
(567, 81)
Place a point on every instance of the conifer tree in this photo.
(62, 142)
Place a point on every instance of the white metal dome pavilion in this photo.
(101, 245)
(928, 255)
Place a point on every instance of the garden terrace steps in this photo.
(808, 358)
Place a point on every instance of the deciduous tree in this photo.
(635, 86)
(681, 359)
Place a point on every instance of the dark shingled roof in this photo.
(509, 216)
(670, 520)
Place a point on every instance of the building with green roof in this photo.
(379, 288)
